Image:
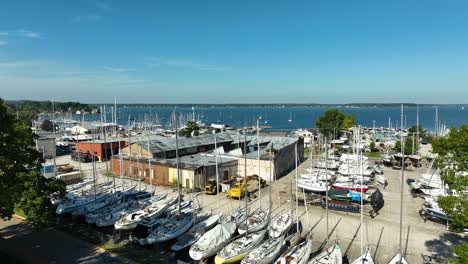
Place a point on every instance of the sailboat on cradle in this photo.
(399, 258)
(172, 227)
(271, 248)
(196, 232)
(330, 255)
(238, 249)
(299, 253)
(258, 220)
(365, 257)
(211, 242)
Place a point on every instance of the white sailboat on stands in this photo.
(365, 257)
(282, 222)
(316, 181)
(199, 229)
(238, 249)
(84, 203)
(151, 212)
(330, 255)
(399, 258)
(271, 249)
(212, 241)
(259, 219)
(172, 227)
(298, 254)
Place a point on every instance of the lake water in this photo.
(301, 117)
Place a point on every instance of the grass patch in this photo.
(372, 154)
(20, 212)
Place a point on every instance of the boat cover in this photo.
(377, 200)
(217, 235)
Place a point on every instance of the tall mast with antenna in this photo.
(401, 187)
(120, 147)
(362, 201)
(149, 164)
(326, 189)
(177, 161)
(217, 175)
(55, 145)
(271, 176)
(245, 186)
(259, 177)
(436, 121)
(417, 135)
(297, 198)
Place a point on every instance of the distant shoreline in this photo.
(350, 105)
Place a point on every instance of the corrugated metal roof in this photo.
(163, 144)
(190, 162)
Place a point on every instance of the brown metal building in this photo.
(103, 150)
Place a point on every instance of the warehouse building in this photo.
(154, 158)
(45, 144)
(102, 149)
(195, 170)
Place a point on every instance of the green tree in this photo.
(349, 121)
(47, 125)
(408, 146)
(413, 129)
(18, 162)
(35, 199)
(190, 127)
(333, 121)
(453, 157)
(461, 254)
(372, 146)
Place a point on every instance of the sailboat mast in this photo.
(149, 164)
(112, 151)
(402, 182)
(177, 160)
(217, 175)
(259, 176)
(417, 136)
(326, 189)
(271, 176)
(297, 198)
(120, 147)
(138, 166)
(55, 145)
(104, 132)
(245, 187)
(94, 170)
(362, 180)
(130, 154)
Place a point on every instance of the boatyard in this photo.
(311, 132)
(381, 230)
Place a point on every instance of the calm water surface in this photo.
(302, 117)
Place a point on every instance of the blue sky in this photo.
(235, 51)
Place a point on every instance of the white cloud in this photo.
(3, 43)
(25, 77)
(86, 18)
(157, 62)
(28, 33)
(118, 69)
(20, 33)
